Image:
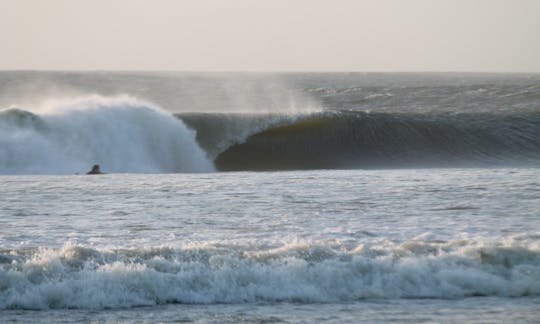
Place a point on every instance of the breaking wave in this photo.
(120, 133)
(304, 272)
(126, 135)
(353, 139)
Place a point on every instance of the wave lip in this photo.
(217, 132)
(81, 277)
(120, 133)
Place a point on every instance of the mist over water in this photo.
(175, 92)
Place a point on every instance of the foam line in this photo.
(305, 272)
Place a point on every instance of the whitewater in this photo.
(269, 198)
(64, 136)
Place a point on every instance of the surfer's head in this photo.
(95, 169)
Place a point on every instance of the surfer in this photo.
(95, 170)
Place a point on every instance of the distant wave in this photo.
(301, 272)
(120, 133)
(352, 139)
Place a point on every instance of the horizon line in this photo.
(272, 71)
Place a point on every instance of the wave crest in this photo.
(120, 133)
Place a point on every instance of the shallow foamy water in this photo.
(405, 245)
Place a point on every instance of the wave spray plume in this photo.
(120, 133)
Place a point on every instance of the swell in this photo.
(351, 139)
(302, 272)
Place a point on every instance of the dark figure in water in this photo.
(95, 170)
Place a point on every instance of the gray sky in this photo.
(271, 35)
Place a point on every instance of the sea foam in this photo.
(81, 277)
(122, 134)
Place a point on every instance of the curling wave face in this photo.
(305, 272)
(120, 133)
(354, 139)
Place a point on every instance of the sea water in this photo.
(406, 245)
(435, 219)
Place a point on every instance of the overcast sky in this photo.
(271, 35)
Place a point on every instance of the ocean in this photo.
(269, 197)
